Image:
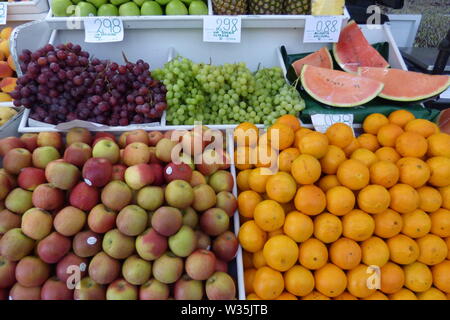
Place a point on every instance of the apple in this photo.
(200, 265)
(97, 172)
(118, 172)
(44, 155)
(48, 197)
(118, 245)
(154, 137)
(37, 223)
(164, 149)
(150, 245)
(203, 240)
(11, 177)
(153, 158)
(225, 246)
(64, 267)
(226, 160)
(220, 286)
(136, 153)
(192, 143)
(89, 290)
(184, 242)
(204, 197)
(179, 194)
(106, 149)
(9, 143)
(17, 159)
(14, 245)
(53, 247)
(54, 289)
(180, 171)
(62, 175)
(30, 141)
(187, 159)
(154, 290)
(221, 181)
(139, 175)
(8, 221)
(221, 266)
(30, 178)
(32, 272)
(227, 202)
(190, 217)
(103, 269)
(197, 179)
(188, 289)
(78, 135)
(116, 195)
(209, 162)
(101, 219)
(19, 292)
(5, 186)
(123, 139)
(168, 268)
(84, 197)
(167, 220)
(138, 135)
(214, 221)
(132, 220)
(158, 174)
(136, 270)
(86, 244)
(150, 198)
(102, 138)
(7, 273)
(19, 201)
(69, 221)
(78, 153)
(50, 139)
(121, 290)
(100, 134)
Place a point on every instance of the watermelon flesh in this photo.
(353, 50)
(400, 85)
(321, 58)
(338, 88)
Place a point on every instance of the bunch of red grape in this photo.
(61, 84)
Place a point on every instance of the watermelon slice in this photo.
(338, 88)
(353, 50)
(321, 58)
(400, 85)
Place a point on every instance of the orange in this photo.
(392, 278)
(327, 227)
(384, 173)
(440, 171)
(357, 279)
(411, 144)
(242, 180)
(418, 277)
(328, 182)
(299, 134)
(439, 145)
(432, 294)
(345, 296)
(445, 194)
(286, 296)
(269, 215)
(353, 174)
(258, 178)
(403, 294)
(430, 199)
(266, 156)
(247, 259)
(251, 237)
(340, 135)
(286, 157)
(374, 199)
(377, 296)
(268, 283)
(314, 143)
(340, 200)
(330, 280)
(401, 117)
(441, 276)
(403, 249)
(249, 276)
(332, 159)
(280, 136)
(246, 134)
(280, 252)
(375, 252)
(306, 169)
(275, 233)
(253, 296)
(387, 154)
(388, 224)
(373, 122)
(413, 171)
(289, 120)
(299, 281)
(315, 296)
(440, 223)
(365, 156)
(244, 157)
(313, 254)
(258, 259)
(388, 134)
(358, 225)
(345, 253)
(421, 126)
(404, 198)
(354, 145)
(247, 202)
(281, 187)
(310, 200)
(416, 224)
(447, 242)
(368, 141)
(433, 250)
(298, 226)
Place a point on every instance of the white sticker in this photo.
(91, 240)
(222, 29)
(321, 122)
(322, 28)
(82, 266)
(3, 12)
(169, 170)
(103, 29)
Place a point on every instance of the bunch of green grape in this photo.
(226, 94)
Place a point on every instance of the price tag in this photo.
(322, 28)
(103, 29)
(3, 12)
(321, 122)
(222, 29)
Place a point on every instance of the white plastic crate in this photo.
(27, 7)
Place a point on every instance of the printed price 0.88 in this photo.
(327, 26)
(226, 25)
(108, 26)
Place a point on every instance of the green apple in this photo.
(139, 2)
(176, 7)
(187, 1)
(151, 8)
(129, 9)
(108, 10)
(59, 7)
(98, 3)
(198, 7)
(76, 1)
(118, 2)
(85, 9)
(163, 2)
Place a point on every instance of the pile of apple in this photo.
(103, 218)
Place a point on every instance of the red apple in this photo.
(221, 266)
(63, 270)
(158, 172)
(227, 202)
(89, 290)
(209, 162)
(97, 172)
(17, 159)
(154, 290)
(177, 172)
(118, 172)
(150, 245)
(8, 221)
(192, 143)
(78, 153)
(69, 221)
(197, 179)
(5, 186)
(7, 272)
(121, 290)
(138, 176)
(203, 240)
(19, 292)
(11, 178)
(30, 178)
(32, 272)
(100, 134)
(48, 197)
(153, 158)
(30, 141)
(225, 246)
(52, 139)
(103, 269)
(116, 195)
(200, 265)
(87, 244)
(62, 175)
(154, 137)
(123, 139)
(78, 135)
(54, 289)
(167, 221)
(214, 221)
(220, 286)
(53, 247)
(188, 289)
(84, 197)
(9, 143)
(138, 135)
(101, 219)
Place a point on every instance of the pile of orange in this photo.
(345, 217)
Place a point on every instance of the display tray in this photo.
(27, 7)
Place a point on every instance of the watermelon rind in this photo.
(368, 98)
(320, 51)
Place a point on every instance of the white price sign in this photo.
(103, 29)
(322, 29)
(222, 29)
(3, 12)
(321, 122)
